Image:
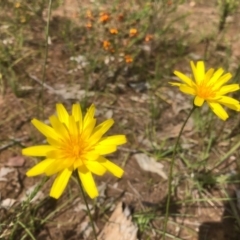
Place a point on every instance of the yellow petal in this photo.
(209, 74)
(218, 110)
(88, 128)
(198, 101)
(91, 155)
(59, 127)
(37, 151)
(194, 71)
(111, 167)
(77, 163)
(113, 140)
(73, 129)
(88, 181)
(56, 154)
(39, 168)
(230, 103)
(95, 137)
(200, 71)
(100, 130)
(104, 126)
(229, 88)
(184, 78)
(54, 142)
(77, 112)
(186, 89)
(45, 129)
(60, 183)
(216, 76)
(89, 116)
(62, 114)
(222, 80)
(96, 168)
(57, 166)
(105, 149)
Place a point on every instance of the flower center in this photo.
(205, 91)
(76, 150)
(74, 147)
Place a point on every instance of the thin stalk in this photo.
(46, 55)
(86, 203)
(171, 169)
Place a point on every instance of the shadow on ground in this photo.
(227, 229)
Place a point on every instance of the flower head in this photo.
(75, 143)
(104, 17)
(106, 45)
(128, 59)
(209, 86)
(148, 38)
(133, 32)
(113, 31)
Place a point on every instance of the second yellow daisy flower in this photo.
(210, 87)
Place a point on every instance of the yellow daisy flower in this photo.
(75, 143)
(209, 86)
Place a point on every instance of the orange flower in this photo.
(128, 59)
(104, 17)
(133, 32)
(106, 45)
(148, 38)
(89, 15)
(89, 25)
(113, 31)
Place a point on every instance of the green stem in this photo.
(171, 170)
(45, 57)
(86, 203)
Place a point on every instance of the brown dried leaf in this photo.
(149, 164)
(119, 226)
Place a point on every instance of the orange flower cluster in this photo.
(104, 17)
(113, 31)
(128, 59)
(110, 24)
(148, 38)
(133, 32)
(90, 18)
(106, 45)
